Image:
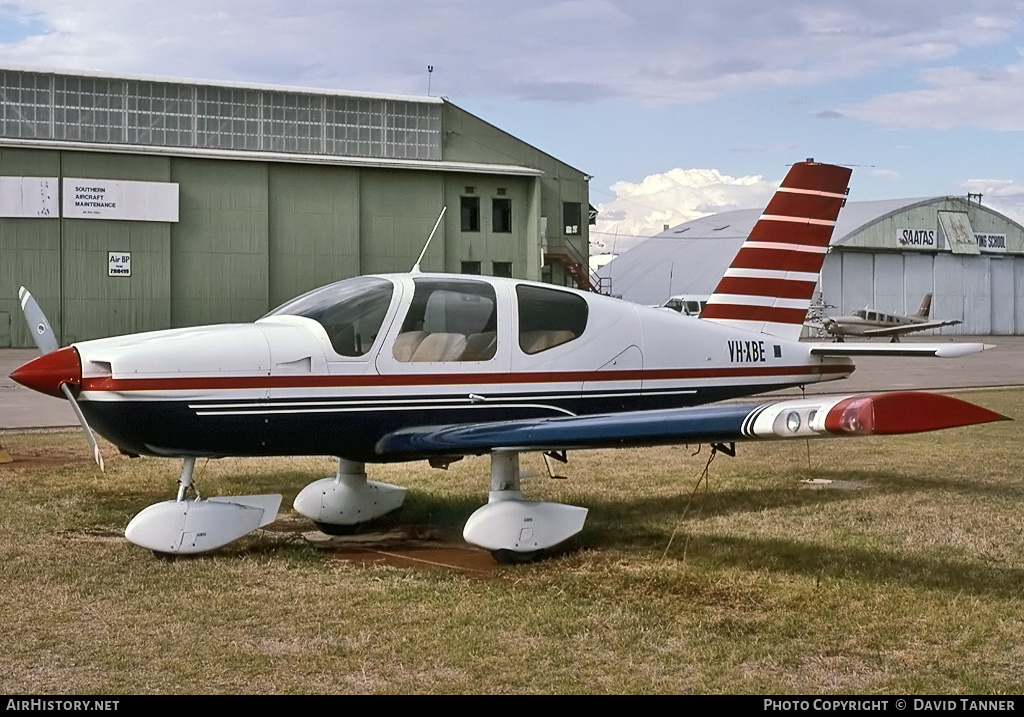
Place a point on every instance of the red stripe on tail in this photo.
(777, 259)
(791, 233)
(809, 206)
(753, 286)
(803, 217)
(752, 312)
(818, 177)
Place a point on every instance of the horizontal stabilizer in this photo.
(950, 350)
(821, 417)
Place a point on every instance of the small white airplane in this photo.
(870, 323)
(430, 366)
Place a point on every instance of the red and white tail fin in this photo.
(769, 285)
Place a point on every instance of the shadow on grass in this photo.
(637, 525)
(973, 578)
(701, 504)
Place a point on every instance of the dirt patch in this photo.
(25, 462)
(471, 561)
(404, 546)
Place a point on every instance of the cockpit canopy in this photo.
(351, 311)
(448, 319)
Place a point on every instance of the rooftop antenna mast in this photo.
(416, 266)
(430, 73)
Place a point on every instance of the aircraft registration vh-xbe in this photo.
(429, 366)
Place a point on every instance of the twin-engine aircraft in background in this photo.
(430, 366)
(870, 323)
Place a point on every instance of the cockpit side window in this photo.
(351, 312)
(449, 320)
(549, 317)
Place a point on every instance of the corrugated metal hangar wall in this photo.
(257, 222)
(886, 254)
(969, 257)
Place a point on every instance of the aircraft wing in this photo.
(820, 417)
(949, 350)
(900, 330)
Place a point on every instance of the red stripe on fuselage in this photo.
(448, 379)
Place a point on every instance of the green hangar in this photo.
(133, 204)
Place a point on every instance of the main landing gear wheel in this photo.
(515, 530)
(348, 503)
(388, 520)
(511, 557)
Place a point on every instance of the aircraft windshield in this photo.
(351, 312)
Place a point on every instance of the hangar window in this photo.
(26, 107)
(501, 215)
(88, 109)
(351, 312)
(159, 113)
(470, 214)
(449, 320)
(549, 317)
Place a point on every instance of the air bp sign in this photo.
(119, 263)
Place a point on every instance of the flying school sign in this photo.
(123, 200)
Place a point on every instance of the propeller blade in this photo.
(38, 326)
(97, 456)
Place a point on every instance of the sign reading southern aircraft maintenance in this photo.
(120, 200)
(401, 367)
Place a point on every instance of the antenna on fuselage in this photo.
(416, 266)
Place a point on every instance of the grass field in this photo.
(905, 574)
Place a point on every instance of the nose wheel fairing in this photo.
(188, 526)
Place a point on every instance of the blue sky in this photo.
(676, 108)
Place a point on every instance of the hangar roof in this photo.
(690, 258)
(147, 115)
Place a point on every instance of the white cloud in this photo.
(1003, 195)
(991, 98)
(573, 50)
(642, 210)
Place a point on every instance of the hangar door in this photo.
(984, 292)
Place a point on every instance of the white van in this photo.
(689, 304)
